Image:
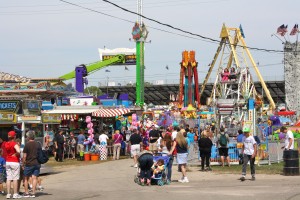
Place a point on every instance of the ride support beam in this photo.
(263, 84)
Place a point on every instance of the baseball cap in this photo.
(11, 134)
(246, 130)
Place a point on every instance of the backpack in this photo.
(223, 140)
(42, 156)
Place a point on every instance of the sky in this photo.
(46, 39)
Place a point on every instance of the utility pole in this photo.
(139, 34)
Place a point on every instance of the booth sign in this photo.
(51, 118)
(25, 118)
(8, 106)
(8, 117)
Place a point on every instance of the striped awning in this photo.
(110, 112)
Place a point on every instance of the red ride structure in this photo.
(189, 90)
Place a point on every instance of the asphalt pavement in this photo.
(115, 180)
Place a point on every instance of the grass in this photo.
(262, 169)
(70, 163)
(233, 169)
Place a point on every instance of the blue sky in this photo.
(45, 39)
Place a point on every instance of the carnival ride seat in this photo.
(225, 106)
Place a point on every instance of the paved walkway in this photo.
(114, 180)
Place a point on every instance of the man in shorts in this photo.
(30, 163)
(135, 141)
(223, 140)
(153, 137)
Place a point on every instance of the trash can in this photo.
(291, 163)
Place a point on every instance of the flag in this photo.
(281, 30)
(242, 31)
(295, 30)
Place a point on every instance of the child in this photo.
(39, 184)
(158, 167)
(2, 171)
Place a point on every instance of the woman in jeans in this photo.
(117, 138)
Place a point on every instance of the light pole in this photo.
(107, 85)
(107, 78)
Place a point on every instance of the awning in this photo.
(110, 112)
(72, 110)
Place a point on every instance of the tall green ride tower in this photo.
(139, 34)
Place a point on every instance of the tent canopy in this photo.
(110, 112)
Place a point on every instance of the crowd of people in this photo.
(177, 142)
(20, 167)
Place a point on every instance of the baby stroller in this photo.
(145, 163)
(161, 178)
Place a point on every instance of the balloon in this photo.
(91, 131)
(88, 119)
(90, 125)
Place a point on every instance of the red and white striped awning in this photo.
(110, 112)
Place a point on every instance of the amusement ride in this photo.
(234, 94)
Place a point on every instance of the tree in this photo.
(93, 90)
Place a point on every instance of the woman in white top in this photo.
(103, 139)
(103, 146)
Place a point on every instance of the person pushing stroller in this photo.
(145, 161)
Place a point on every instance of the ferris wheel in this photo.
(233, 85)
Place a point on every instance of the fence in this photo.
(267, 153)
(194, 155)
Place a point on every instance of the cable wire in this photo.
(184, 31)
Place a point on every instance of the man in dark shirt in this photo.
(136, 144)
(59, 145)
(30, 163)
(153, 137)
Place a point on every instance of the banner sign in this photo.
(130, 55)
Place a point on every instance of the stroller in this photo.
(145, 163)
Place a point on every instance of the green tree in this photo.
(93, 90)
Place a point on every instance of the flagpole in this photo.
(278, 38)
(285, 39)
